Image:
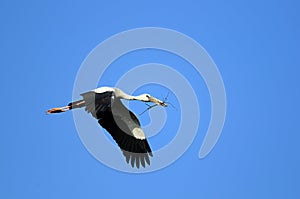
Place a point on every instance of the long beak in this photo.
(158, 102)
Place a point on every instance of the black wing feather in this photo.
(100, 105)
(95, 103)
(136, 150)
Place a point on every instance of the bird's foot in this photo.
(58, 110)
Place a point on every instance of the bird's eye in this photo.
(148, 96)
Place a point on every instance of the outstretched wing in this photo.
(121, 124)
(96, 103)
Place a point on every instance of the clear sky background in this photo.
(255, 45)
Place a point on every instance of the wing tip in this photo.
(137, 160)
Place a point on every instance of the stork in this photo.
(105, 105)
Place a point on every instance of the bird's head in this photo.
(149, 98)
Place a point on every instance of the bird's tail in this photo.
(71, 105)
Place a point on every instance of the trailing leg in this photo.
(72, 105)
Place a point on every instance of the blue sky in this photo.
(255, 45)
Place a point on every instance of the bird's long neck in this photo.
(123, 95)
(138, 97)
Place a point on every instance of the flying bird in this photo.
(105, 105)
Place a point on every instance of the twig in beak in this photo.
(167, 103)
(149, 107)
(156, 103)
